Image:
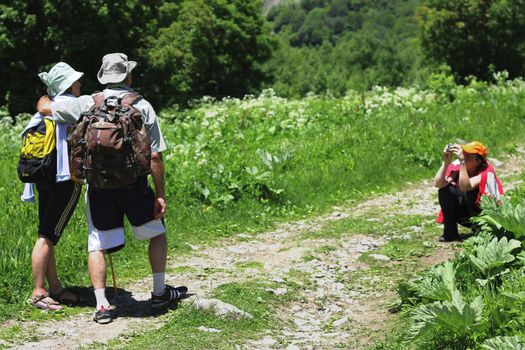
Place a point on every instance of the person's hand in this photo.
(447, 153)
(159, 208)
(458, 151)
(43, 105)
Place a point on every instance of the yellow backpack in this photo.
(38, 156)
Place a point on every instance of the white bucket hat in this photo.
(115, 67)
(59, 78)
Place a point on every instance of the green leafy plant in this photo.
(437, 284)
(491, 259)
(453, 317)
(504, 343)
(503, 214)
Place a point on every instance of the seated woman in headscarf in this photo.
(461, 185)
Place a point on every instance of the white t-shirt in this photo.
(68, 111)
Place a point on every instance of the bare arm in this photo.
(66, 111)
(43, 105)
(466, 183)
(440, 179)
(157, 173)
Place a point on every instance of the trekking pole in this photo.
(113, 275)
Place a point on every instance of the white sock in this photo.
(158, 283)
(100, 295)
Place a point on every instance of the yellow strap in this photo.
(50, 141)
(37, 145)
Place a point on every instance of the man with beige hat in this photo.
(106, 208)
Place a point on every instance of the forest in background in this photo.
(189, 49)
(244, 164)
(336, 45)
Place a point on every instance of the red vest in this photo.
(488, 185)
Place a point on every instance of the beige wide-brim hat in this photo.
(115, 67)
(59, 78)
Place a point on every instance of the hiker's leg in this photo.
(155, 232)
(158, 252)
(52, 277)
(97, 273)
(470, 202)
(449, 202)
(39, 262)
(97, 269)
(41, 249)
(56, 204)
(471, 209)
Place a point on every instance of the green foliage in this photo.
(36, 34)
(475, 37)
(455, 317)
(339, 45)
(489, 271)
(438, 284)
(209, 48)
(491, 259)
(504, 343)
(241, 165)
(502, 214)
(185, 48)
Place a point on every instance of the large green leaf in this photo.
(455, 317)
(504, 343)
(437, 284)
(490, 259)
(503, 214)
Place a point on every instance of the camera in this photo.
(449, 147)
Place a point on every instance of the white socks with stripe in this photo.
(158, 283)
(100, 295)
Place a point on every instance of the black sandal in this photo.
(45, 302)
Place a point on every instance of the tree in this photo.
(475, 37)
(210, 48)
(184, 48)
(36, 34)
(21, 46)
(345, 44)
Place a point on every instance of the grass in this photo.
(244, 165)
(254, 296)
(14, 335)
(378, 226)
(182, 328)
(250, 265)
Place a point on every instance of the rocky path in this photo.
(327, 316)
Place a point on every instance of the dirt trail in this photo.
(329, 315)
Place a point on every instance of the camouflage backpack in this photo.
(109, 146)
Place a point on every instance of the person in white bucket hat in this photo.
(143, 207)
(57, 197)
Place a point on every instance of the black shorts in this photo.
(56, 203)
(108, 207)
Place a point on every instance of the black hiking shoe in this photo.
(102, 316)
(170, 294)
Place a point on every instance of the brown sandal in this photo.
(45, 302)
